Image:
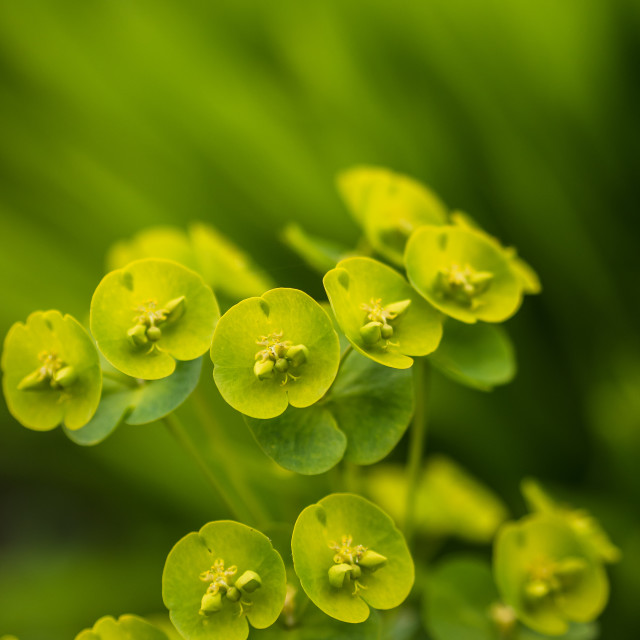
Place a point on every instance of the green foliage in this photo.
(345, 531)
(463, 273)
(320, 254)
(255, 337)
(390, 207)
(205, 583)
(547, 573)
(227, 269)
(138, 402)
(51, 372)
(449, 502)
(369, 298)
(126, 627)
(151, 313)
(478, 355)
(461, 602)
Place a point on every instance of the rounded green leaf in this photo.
(362, 289)
(547, 574)
(252, 331)
(147, 401)
(390, 206)
(126, 627)
(346, 519)
(157, 295)
(320, 254)
(35, 355)
(463, 273)
(234, 545)
(480, 355)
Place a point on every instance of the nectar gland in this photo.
(222, 587)
(464, 284)
(53, 373)
(380, 320)
(279, 357)
(150, 316)
(350, 561)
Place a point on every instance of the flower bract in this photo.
(51, 372)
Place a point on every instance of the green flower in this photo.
(463, 273)
(51, 372)
(380, 314)
(127, 627)
(273, 351)
(390, 207)
(151, 313)
(220, 577)
(349, 556)
(547, 574)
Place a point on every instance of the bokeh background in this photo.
(120, 114)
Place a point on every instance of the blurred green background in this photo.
(120, 114)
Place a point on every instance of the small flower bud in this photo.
(233, 594)
(386, 331)
(65, 377)
(297, 355)
(396, 308)
(249, 581)
(175, 308)
(154, 333)
(263, 369)
(536, 589)
(33, 381)
(371, 333)
(211, 602)
(372, 560)
(138, 335)
(282, 364)
(338, 574)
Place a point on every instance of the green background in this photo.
(120, 114)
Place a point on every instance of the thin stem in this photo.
(416, 443)
(345, 355)
(179, 432)
(120, 378)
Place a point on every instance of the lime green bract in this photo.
(463, 273)
(51, 372)
(546, 572)
(380, 314)
(127, 627)
(349, 556)
(220, 577)
(273, 351)
(151, 313)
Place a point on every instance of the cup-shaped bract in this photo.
(51, 371)
(350, 556)
(273, 351)
(126, 627)
(151, 313)
(216, 579)
(463, 273)
(546, 573)
(390, 206)
(381, 315)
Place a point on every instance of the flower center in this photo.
(464, 284)
(549, 577)
(149, 316)
(279, 358)
(223, 589)
(53, 373)
(380, 320)
(350, 561)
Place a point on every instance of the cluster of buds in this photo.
(149, 318)
(464, 284)
(222, 587)
(551, 579)
(279, 356)
(53, 373)
(350, 561)
(380, 320)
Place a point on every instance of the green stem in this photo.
(416, 443)
(218, 483)
(120, 378)
(345, 355)
(217, 437)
